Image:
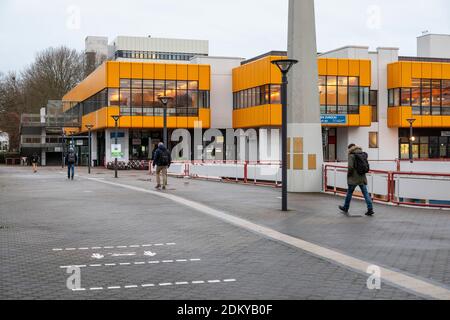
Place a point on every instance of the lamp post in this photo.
(284, 65)
(62, 149)
(411, 138)
(116, 119)
(165, 101)
(89, 127)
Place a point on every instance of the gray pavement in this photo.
(48, 222)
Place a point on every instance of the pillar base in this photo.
(305, 173)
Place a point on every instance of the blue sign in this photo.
(333, 119)
(119, 135)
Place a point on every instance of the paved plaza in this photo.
(207, 240)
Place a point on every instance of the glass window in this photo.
(125, 102)
(193, 85)
(193, 99)
(405, 98)
(125, 83)
(391, 97)
(182, 99)
(374, 103)
(446, 97)
(436, 97)
(353, 81)
(182, 85)
(331, 95)
(396, 97)
(342, 81)
(258, 96)
(342, 109)
(415, 97)
(342, 96)
(373, 140)
(275, 94)
(331, 81)
(353, 96)
(364, 96)
(323, 97)
(113, 97)
(322, 80)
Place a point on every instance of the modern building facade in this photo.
(366, 97)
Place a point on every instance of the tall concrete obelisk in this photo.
(305, 150)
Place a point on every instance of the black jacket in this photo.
(67, 158)
(158, 154)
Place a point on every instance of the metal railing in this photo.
(420, 189)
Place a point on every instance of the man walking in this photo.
(358, 167)
(34, 161)
(162, 160)
(71, 160)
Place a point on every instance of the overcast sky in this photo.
(241, 28)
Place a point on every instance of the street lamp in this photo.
(89, 127)
(284, 65)
(116, 119)
(165, 101)
(411, 138)
(63, 142)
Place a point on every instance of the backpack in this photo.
(362, 165)
(71, 158)
(165, 158)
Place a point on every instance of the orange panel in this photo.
(322, 65)
(446, 71)
(426, 70)
(160, 71)
(416, 70)
(137, 71)
(365, 73)
(137, 122)
(353, 120)
(113, 74)
(204, 77)
(343, 67)
(353, 68)
(436, 121)
(94, 83)
(182, 72)
(159, 122)
(171, 71)
(182, 122)
(365, 118)
(445, 121)
(426, 121)
(193, 72)
(396, 75)
(205, 117)
(125, 70)
(148, 71)
(406, 75)
(125, 122)
(332, 67)
(436, 71)
(148, 122)
(390, 75)
(405, 113)
(276, 115)
(172, 122)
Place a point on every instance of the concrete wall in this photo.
(434, 46)
(161, 45)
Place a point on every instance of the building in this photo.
(43, 134)
(366, 97)
(4, 142)
(145, 49)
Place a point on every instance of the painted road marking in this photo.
(116, 247)
(139, 263)
(162, 284)
(395, 278)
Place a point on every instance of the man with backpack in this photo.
(34, 161)
(162, 160)
(71, 160)
(358, 167)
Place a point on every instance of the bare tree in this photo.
(54, 73)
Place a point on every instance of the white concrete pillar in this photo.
(304, 125)
(94, 147)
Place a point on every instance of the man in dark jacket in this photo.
(162, 160)
(34, 161)
(71, 160)
(355, 179)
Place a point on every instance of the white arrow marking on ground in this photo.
(149, 254)
(97, 256)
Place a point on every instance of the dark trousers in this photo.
(70, 170)
(351, 190)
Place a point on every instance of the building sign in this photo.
(116, 151)
(446, 133)
(137, 142)
(80, 142)
(333, 119)
(119, 135)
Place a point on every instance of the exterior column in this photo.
(305, 153)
